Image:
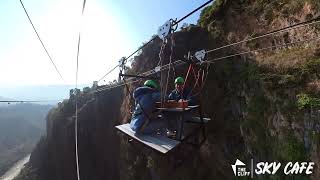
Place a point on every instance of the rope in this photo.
(76, 121)
(161, 53)
(44, 47)
(83, 6)
(170, 62)
(130, 94)
(204, 80)
(76, 100)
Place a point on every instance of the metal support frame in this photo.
(192, 65)
(137, 76)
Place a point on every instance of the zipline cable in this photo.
(180, 62)
(108, 73)
(76, 98)
(145, 44)
(261, 49)
(17, 101)
(298, 25)
(131, 80)
(44, 47)
(189, 14)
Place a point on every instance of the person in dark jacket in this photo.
(180, 93)
(144, 119)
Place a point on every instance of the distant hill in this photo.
(51, 93)
(5, 99)
(21, 126)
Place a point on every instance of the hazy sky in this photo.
(110, 30)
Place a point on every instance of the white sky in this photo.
(24, 61)
(107, 34)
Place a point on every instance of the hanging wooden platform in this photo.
(157, 142)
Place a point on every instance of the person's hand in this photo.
(182, 100)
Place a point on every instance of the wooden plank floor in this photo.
(157, 142)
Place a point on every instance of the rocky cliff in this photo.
(264, 104)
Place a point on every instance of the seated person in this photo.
(180, 93)
(144, 119)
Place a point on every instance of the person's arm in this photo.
(190, 99)
(173, 95)
(156, 96)
(170, 97)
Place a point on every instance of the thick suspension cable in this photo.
(76, 99)
(44, 47)
(295, 26)
(261, 49)
(298, 25)
(152, 39)
(180, 62)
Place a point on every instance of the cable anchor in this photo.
(167, 28)
(200, 56)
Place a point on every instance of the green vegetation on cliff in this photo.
(263, 105)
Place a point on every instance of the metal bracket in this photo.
(121, 62)
(157, 69)
(165, 29)
(121, 67)
(200, 55)
(137, 76)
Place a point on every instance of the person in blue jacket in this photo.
(144, 119)
(180, 93)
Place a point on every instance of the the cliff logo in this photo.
(239, 169)
(271, 168)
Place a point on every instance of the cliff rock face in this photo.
(264, 104)
(54, 156)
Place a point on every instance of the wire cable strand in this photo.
(108, 73)
(44, 47)
(147, 73)
(24, 101)
(76, 99)
(180, 62)
(298, 25)
(152, 39)
(189, 14)
(261, 49)
(76, 113)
